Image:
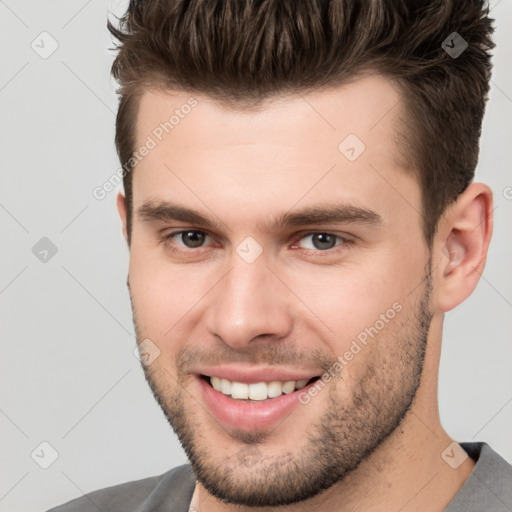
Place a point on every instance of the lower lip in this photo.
(249, 416)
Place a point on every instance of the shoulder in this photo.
(176, 487)
(489, 487)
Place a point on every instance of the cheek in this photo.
(166, 297)
(357, 298)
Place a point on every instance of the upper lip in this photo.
(252, 374)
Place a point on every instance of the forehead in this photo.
(339, 142)
(369, 104)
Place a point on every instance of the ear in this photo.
(461, 245)
(121, 208)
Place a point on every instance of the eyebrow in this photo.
(320, 214)
(165, 211)
(326, 214)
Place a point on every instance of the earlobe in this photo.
(463, 240)
(121, 208)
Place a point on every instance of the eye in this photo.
(320, 241)
(189, 239)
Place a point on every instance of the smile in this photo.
(250, 406)
(257, 391)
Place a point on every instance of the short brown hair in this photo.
(241, 52)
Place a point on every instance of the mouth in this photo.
(257, 391)
(258, 405)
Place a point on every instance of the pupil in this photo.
(324, 241)
(192, 238)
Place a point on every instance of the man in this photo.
(300, 212)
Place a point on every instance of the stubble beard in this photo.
(334, 445)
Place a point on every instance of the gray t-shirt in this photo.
(488, 488)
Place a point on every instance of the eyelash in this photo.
(344, 243)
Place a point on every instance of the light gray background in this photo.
(68, 373)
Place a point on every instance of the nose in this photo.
(249, 304)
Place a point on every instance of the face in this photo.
(279, 272)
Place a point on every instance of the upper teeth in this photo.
(257, 391)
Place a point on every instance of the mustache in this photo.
(189, 357)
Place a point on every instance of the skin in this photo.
(300, 307)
